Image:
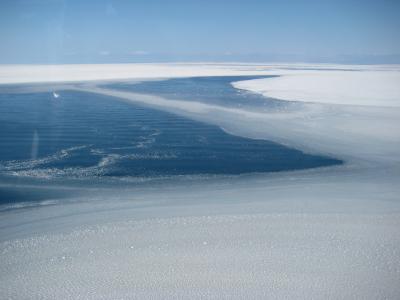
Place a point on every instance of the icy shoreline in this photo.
(329, 233)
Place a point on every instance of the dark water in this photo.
(84, 136)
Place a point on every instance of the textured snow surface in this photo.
(245, 256)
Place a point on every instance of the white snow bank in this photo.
(376, 88)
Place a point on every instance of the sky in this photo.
(106, 31)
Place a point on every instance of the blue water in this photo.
(83, 136)
(215, 90)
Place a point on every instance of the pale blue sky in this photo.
(78, 31)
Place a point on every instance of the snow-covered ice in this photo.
(235, 256)
(367, 87)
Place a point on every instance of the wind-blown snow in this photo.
(328, 233)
